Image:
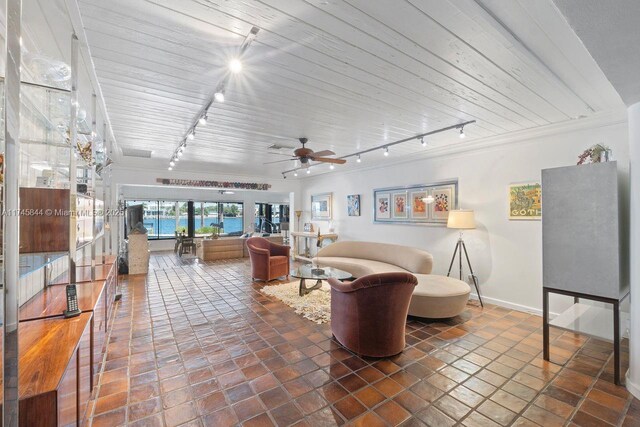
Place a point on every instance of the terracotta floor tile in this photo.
(311, 402)
(201, 341)
(286, 414)
(392, 413)
(248, 408)
(370, 397)
(349, 407)
(110, 419)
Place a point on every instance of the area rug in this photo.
(315, 306)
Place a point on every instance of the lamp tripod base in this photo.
(460, 248)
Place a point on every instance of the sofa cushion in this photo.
(359, 267)
(406, 258)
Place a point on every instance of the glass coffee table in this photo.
(308, 271)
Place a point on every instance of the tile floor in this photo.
(196, 344)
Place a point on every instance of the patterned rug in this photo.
(315, 306)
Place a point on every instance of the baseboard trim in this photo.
(632, 387)
(513, 306)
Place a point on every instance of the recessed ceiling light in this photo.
(235, 65)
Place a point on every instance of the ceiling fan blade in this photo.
(322, 153)
(281, 154)
(280, 161)
(330, 160)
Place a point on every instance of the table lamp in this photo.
(463, 219)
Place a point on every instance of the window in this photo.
(164, 218)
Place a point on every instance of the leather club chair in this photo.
(369, 315)
(268, 260)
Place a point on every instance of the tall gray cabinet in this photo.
(585, 247)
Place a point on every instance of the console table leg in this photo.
(616, 343)
(545, 324)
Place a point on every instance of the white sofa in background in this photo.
(435, 296)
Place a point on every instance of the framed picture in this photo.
(416, 204)
(353, 205)
(442, 203)
(321, 206)
(400, 205)
(383, 208)
(419, 207)
(525, 201)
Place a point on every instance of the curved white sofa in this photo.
(434, 297)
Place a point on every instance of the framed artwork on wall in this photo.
(382, 206)
(442, 203)
(400, 205)
(353, 205)
(415, 204)
(525, 201)
(419, 207)
(321, 206)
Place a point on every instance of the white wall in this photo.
(506, 255)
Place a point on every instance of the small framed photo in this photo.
(308, 227)
(353, 205)
(321, 206)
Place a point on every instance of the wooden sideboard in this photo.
(226, 247)
(60, 358)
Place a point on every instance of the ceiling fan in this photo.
(305, 154)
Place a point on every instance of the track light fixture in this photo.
(176, 159)
(180, 153)
(359, 160)
(295, 173)
(308, 170)
(170, 168)
(331, 166)
(172, 163)
(423, 142)
(462, 135)
(386, 151)
(235, 65)
(284, 176)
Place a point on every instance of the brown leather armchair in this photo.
(268, 260)
(369, 315)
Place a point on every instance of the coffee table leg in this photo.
(304, 290)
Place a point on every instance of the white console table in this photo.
(308, 237)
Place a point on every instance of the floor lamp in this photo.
(463, 219)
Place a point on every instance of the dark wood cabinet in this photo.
(44, 219)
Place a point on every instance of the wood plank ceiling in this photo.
(346, 74)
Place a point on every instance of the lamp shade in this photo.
(462, 219)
